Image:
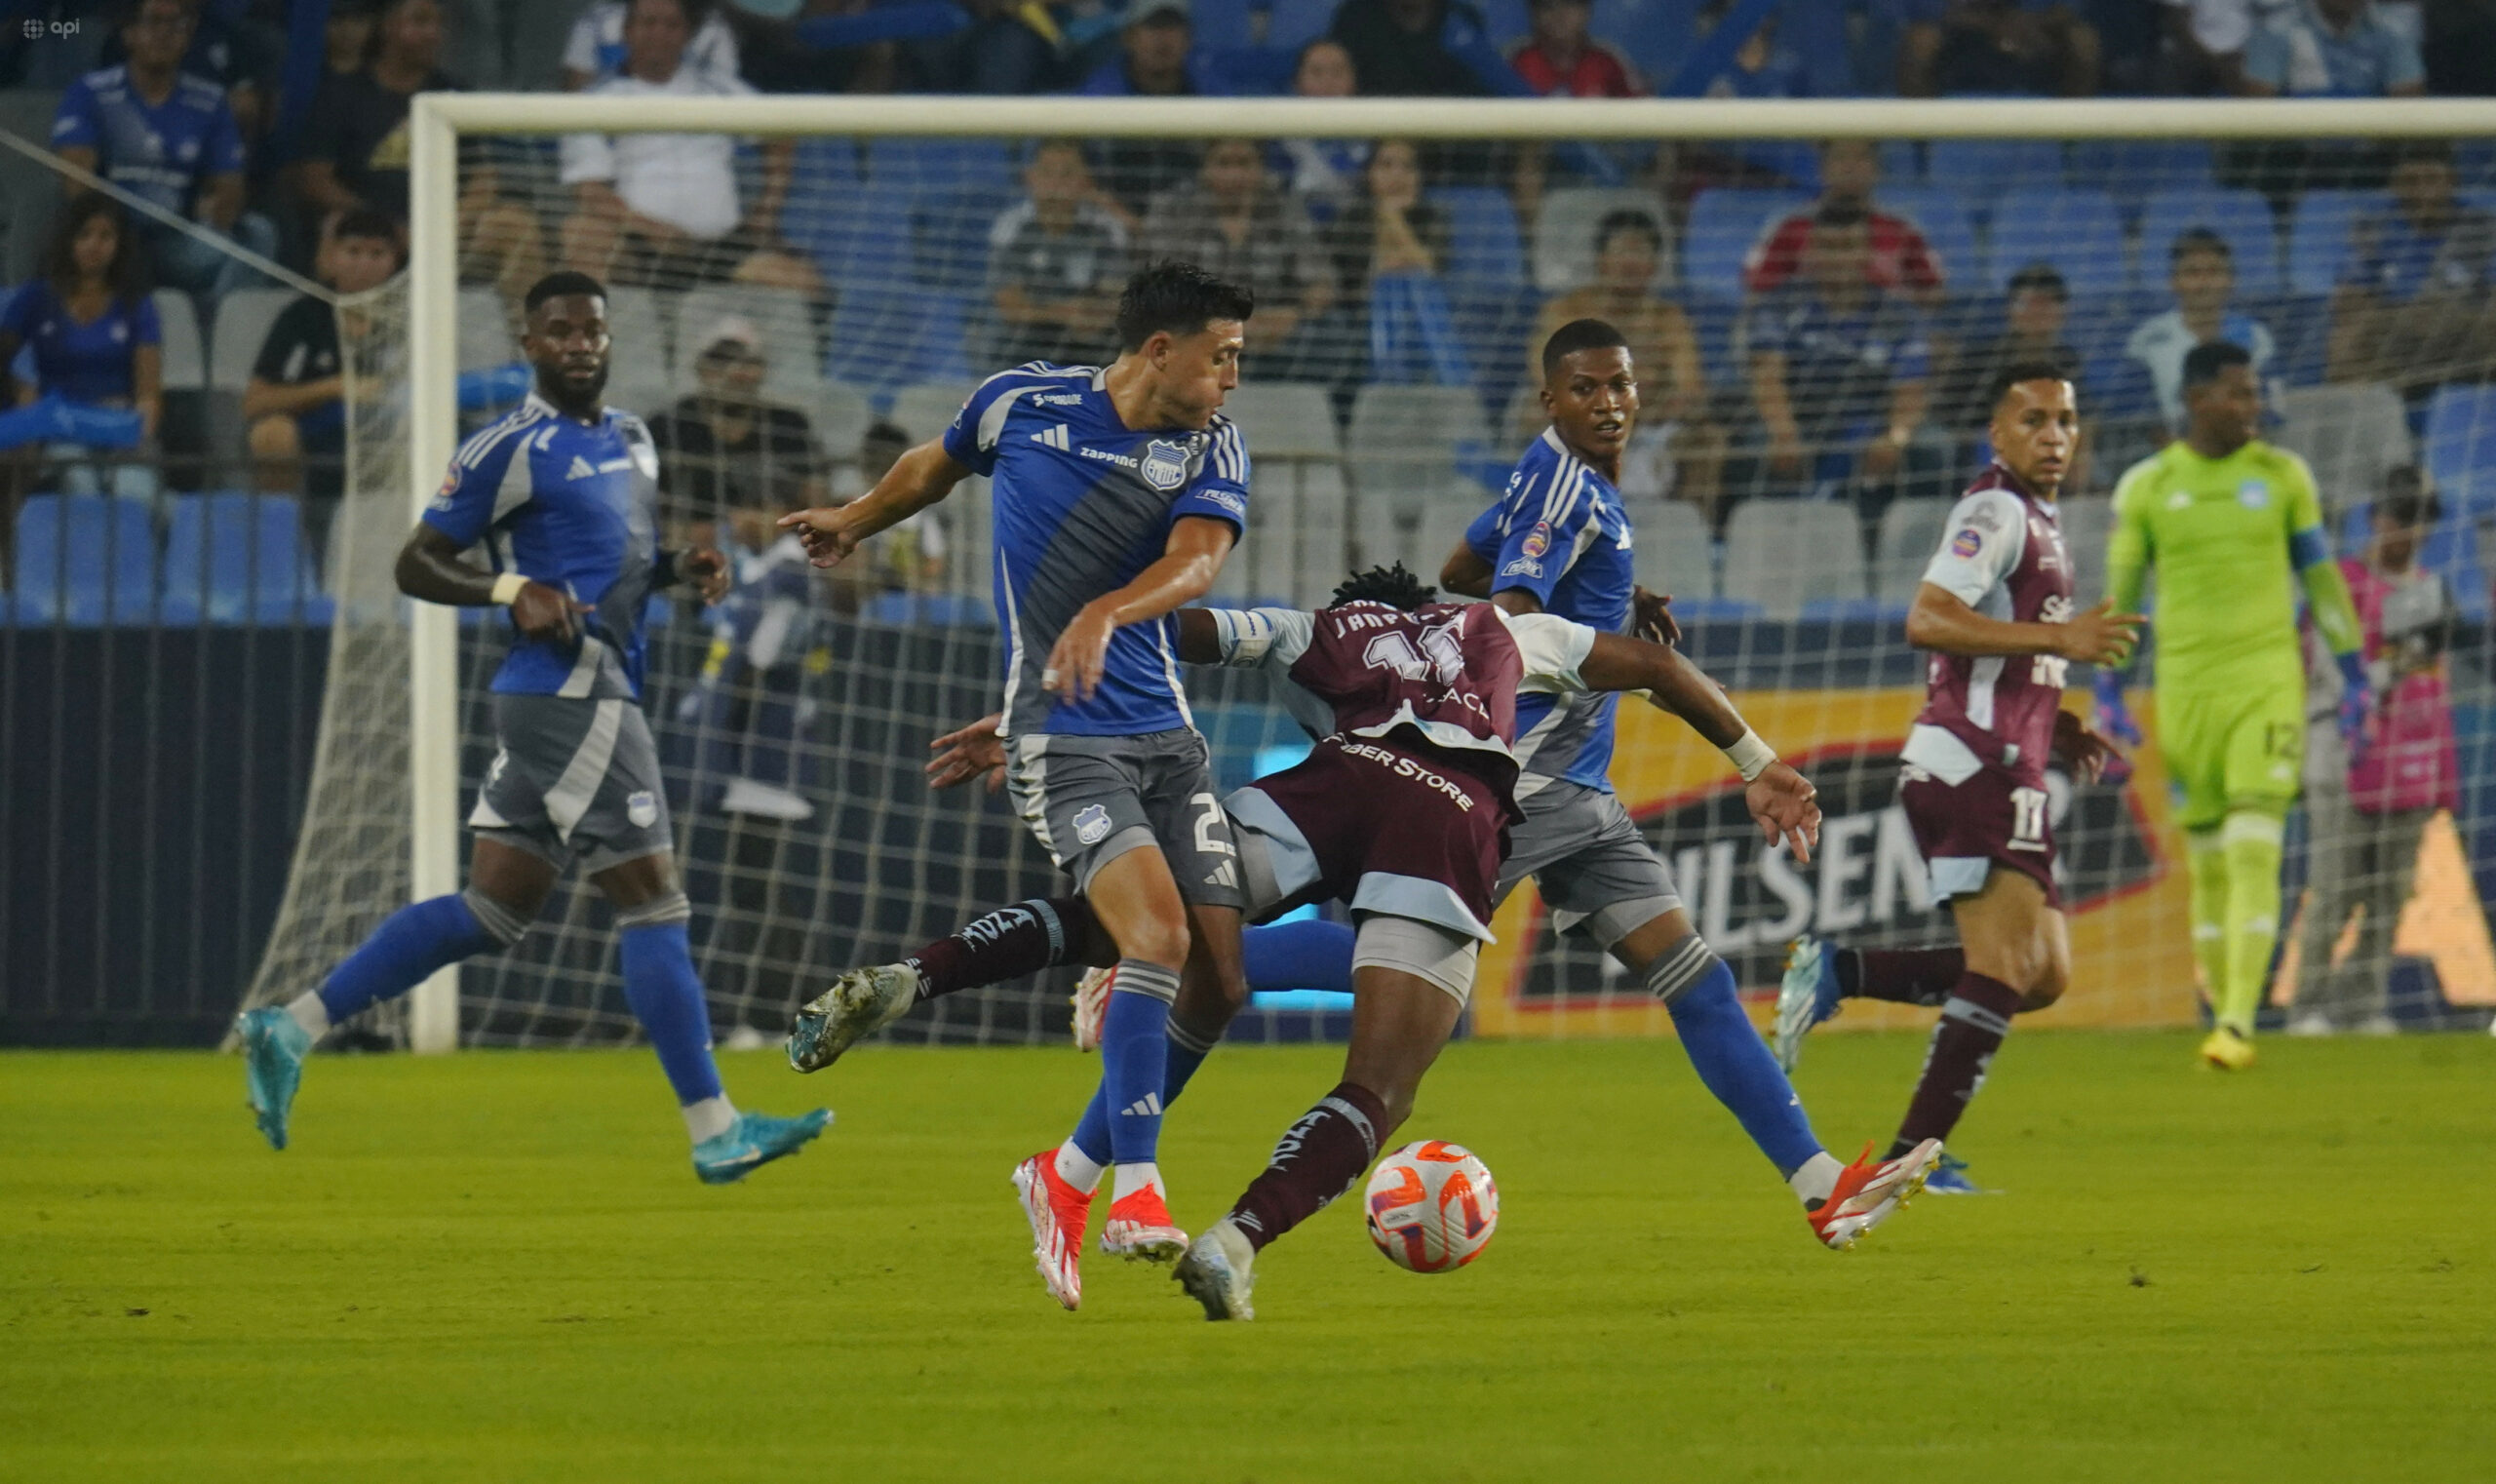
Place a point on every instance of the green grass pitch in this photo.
(499, 1266)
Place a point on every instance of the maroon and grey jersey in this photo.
(1445, 675)
(2004, 558)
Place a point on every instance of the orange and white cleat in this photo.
(1868, 1194)
(1092, 1007)
(1059, 1213)
(1140, 1227)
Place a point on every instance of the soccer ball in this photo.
(1432, 1206)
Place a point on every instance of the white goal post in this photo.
(439, 120)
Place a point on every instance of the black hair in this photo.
(2041, 275)
(2423, 151)
(1392, 586)
(2406, 499)
(2198, 240)
(126, 275)
(2020, 372)
(1629, 219)
(1578, 335)
(1299, 59)
(126, 13)
(557, 285)
(365, 223)
(1177, 297)
(1839, 214)
(885, 431)
(694, 11)
(2203, 362)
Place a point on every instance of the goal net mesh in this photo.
(1790, 307)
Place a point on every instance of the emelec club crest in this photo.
(1166, 464)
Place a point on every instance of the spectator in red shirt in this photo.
(1900, 260)
(1560, 59)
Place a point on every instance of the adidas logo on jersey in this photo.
(1054, 437)
(580, 469)
(1147, 1107)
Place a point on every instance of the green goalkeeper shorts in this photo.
(2242, 748)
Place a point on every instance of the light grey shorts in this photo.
(1590, 861)
(1090, 799)
(574, 780)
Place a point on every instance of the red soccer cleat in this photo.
(1140, 1227)
(1868, 1194)
(1059, 1213)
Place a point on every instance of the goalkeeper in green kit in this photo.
(2226, 518)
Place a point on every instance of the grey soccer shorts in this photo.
(1090, 799)
(1585, 852)
(574, 780)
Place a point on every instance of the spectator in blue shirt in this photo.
(169, 138)
(94, 332)
(1324, 174)
(2332, 49)
(2412, 304)
(1839, 369)
(2201, 270)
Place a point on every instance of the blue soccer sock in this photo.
(1732, 1060)
(1312, 953)
(1135, 1058)
(1186, 1052)
(667, 999)
(408, 948)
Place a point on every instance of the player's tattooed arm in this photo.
(917, 480)
(1185, 573)
(430, 570)
(1940, 619)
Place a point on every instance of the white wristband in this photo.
(1750, 755)
(507, 588)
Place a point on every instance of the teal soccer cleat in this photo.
(755, 1140)
(1807, 997)
(273, 1051)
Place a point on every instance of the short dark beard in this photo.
(551, 386)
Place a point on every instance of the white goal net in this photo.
(1816, 295)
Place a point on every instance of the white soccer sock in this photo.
(1816, 1178)
(1077, 1168)
(1135, 1177)
(710, 1118)
(309, 1013)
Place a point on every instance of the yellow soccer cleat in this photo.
(2227, 1049)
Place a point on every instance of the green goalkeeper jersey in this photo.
(2227, 535)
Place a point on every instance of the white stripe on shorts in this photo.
(573, 792)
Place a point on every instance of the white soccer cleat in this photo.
(859, 1003)
(1869, 1194)
(1092, 1007)
(1219, 1274)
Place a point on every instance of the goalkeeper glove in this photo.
(2357, 705)
(2113, 718)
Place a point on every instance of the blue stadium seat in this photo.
(232, 558)
(1716, 322)
(1292, 24)
(1723, 225)
(874, 336)
(84, 560)
(1485, 250)
(2451, 553)
(2078, 231)
(2461, 448)
(2132, 169)
(2243, 220)
(2319, 233)
(1941, 212)
(957, 165)
(1901, 163)
(1987, 168)
(1882, 610)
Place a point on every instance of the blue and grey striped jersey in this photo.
(1083, 504)
(568, 504)
(1561, 533)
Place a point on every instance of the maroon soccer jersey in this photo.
(1448, 672)
(2004, 558)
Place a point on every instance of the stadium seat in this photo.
(983, 166)
(2243, 220)
(1285, 419)
(1723, 227)
(1910, 532)
(1783, 553)
(1298, 546)
(2350, 434)
(2320, 234)
(926, 409)
(1941, 212)
(1411, 438)
(83, 560)
(1294, 23)
(2130, 168)
(793, 372)
(184, 358)
(232, 558)
(1675, 554)
(1990, 170)
(2461, 448)
(486, 334)
(643, 323)
(1415, 523)
(877, 335)
(865, 247)
(1564, 235)
(840, 416)
(2451, 553)
(2078, 231)
(1485, 277)
(243, 321)
(2087, 521)
(1888, 612)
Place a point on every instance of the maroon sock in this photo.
(1318, 1158)
(1974, 1021)
(1911, 976)
(1005, 944)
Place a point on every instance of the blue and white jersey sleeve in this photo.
(488, 480)
(1220, 488)
(972, 436)
(1550, 524)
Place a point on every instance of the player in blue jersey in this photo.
(1559, 540)
(561, 497)
(1117, 493)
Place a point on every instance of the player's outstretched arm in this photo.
(1185, 573)
(1465, 572)
(917, 480)
(1782, 800)
(430, 570)
(972, 752)
(1940, 619)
